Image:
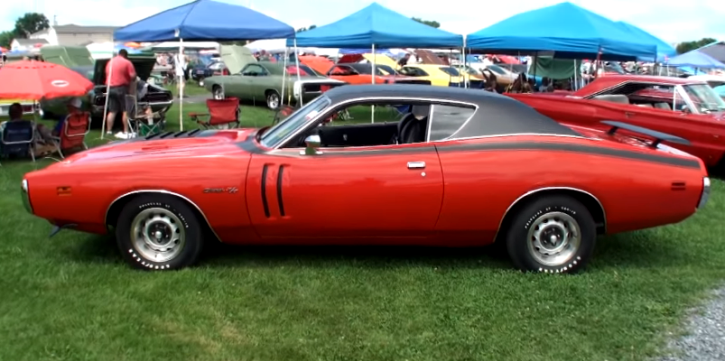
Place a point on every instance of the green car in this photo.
(79, 59)
(256, 81)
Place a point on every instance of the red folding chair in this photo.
(73, 133)
(223, 113)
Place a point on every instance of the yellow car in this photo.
(441, 75)
(5, 106)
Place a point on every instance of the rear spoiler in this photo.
(658, 136)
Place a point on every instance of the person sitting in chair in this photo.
(48, 137)
(15, 112)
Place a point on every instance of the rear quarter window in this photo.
(446, 120)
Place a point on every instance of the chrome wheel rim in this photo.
(273, 101)
(218, 94)
(201, 83)
(554, 238)
(157, 234)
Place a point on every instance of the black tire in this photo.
(160, 205)
(562, 214)
(272, 97)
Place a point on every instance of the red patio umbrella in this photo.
(36, 80)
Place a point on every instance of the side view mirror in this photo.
(313, 143)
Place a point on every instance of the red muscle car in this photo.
(685, 108)
(362, 73)
(460, 168)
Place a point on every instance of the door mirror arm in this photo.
(312, 142)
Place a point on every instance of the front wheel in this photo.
(217, 93)
(159, 232)
(552, 234)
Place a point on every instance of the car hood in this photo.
(169, 145)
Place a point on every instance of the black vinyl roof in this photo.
(496, 115)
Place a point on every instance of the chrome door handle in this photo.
(416, 165)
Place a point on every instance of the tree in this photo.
(430, 23)
(306, 28)
(6, 37)
(692, 45)
(30, 23)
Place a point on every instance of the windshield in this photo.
(386, 69)
(450, 71)
(470, 70)
(296, 120)
(704, 98)
(496, 69)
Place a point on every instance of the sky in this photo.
(671, 20)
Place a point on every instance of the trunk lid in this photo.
(143, 64)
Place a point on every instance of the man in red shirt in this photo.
(120, 75)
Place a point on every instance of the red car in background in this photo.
(353, 72)
(682, 107)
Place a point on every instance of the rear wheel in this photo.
(551, 234)
(272, 99)
(159, 232)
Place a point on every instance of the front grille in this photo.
(317, 87)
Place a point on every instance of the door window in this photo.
(254, 70)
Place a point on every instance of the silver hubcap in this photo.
(218, 94)
(201, 83)
(157, 234)
(554, 238)
(273, 101)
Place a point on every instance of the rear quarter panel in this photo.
(481, 184)
(82, 193)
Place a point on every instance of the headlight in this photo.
(705, 193)
(25, 196)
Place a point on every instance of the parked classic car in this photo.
(360, 73)
(262, 81)
(512, 175)
(683, 107)
(437, 75)
(159, 99)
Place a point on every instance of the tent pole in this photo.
(375, 58)
(466, 79)
(299, 78)
(181, 85)
(108, 89)
(284, 76)
(576, 83)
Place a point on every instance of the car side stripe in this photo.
(492, 146)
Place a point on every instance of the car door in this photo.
(386, 194)
(248, 81)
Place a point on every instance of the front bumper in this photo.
(705, 193)
(25, 194)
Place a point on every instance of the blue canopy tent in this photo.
(565, 29)
(664, 50)
(204, 20)
(696, 59)
(379, 26)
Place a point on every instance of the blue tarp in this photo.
(664, 50)
(696, 59)
(205, 20)
(377, 25)
(562, 28)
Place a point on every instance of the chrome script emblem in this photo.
(231, 190)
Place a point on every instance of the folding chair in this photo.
(18, 138)
(282, 113)
(73, 133)
(223, 113)
(141, 121)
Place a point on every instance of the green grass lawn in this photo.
(72, 298)
(191, 89)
